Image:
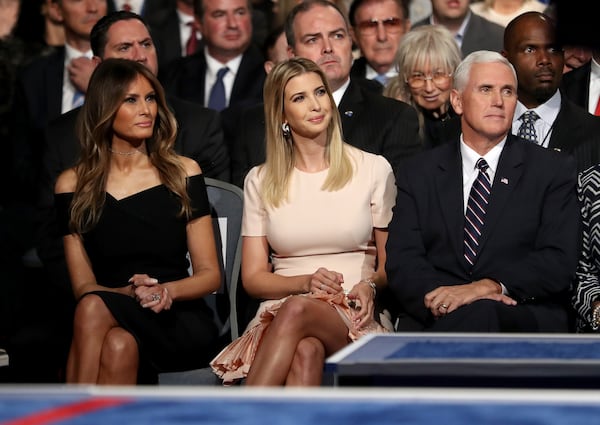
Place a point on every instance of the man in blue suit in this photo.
(505, 262)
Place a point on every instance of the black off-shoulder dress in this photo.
(144, 234)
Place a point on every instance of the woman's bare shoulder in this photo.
(66, 181)
(191, 167)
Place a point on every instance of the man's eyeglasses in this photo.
(391, 25)
(418, 79)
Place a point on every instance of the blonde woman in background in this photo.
(426, 59)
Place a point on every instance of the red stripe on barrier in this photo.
(68, 411)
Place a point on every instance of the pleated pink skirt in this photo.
(234, 361)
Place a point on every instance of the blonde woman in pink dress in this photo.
(314, 232)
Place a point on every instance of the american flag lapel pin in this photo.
(504, 180)
(348, 113)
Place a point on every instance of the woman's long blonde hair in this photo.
(280, 155)
(107, 88)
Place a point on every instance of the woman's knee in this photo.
(294, 309)
(119, 347)
(310, 350)
(90, 311)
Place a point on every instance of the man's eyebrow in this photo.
(316, 34)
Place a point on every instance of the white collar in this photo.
(339, 93)
(547, 111)
(214, 65)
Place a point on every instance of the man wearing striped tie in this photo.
(485, 232)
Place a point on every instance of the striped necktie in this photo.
(475, 213)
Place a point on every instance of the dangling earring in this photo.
(285, 127)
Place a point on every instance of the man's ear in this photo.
(268, 65)
(456, 101)
(54, 11)
(353, 35)
(290, 52)
(96, 60)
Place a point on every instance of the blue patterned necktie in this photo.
(527, 129)
(475, 213)
(381, 78)
(78, 98)
(216, 100)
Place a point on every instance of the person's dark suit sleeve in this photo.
(49, 241)
(200, 137)
(401, 139)
(410, 273)
(548, 269)
(212, 155)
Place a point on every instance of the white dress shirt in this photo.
(594, 87)
(68, 89)
(185, 30)
(547, 112)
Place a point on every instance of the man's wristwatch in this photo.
(595, 323)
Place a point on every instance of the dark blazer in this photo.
(575, 85)
(530, 242)
(37, 101)
(185, 78)
(164, 27)
(199, 137)
(480, 34)
(370, 121)
(575, 132)
(359, 67)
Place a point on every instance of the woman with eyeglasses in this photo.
(426, 59)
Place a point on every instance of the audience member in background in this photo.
(543, 114)
(275, 49)
(323, 264)
(426, 60)
(576, 56)
(582, 85)
(485, 229)
(175, 32)
(52, 85)
(317, 30)
(377, 28)
(144, 8)
(228, 74)
(131, 210)
(586, 296)
(40, 27)
(9, 14)
(471, 31)
(502, 12)
(251, 128)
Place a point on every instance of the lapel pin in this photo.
(348, 113)
(557, 149)
(504, 180)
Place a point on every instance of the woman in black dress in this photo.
(131, 211)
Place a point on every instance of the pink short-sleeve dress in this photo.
(315, 228)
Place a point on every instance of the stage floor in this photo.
(82, 405)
